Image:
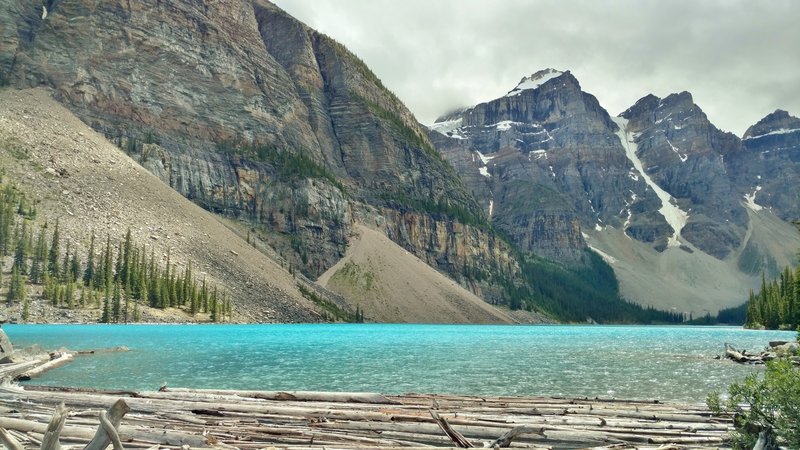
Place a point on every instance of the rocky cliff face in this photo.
(251, 114)
(545, 160)
(684, 154)
(657, 187)
(769, 169)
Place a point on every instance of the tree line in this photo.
(121, 278)
(777, 304)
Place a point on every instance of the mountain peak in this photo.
(534, 81)
(778, 122)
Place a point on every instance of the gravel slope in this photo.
(90, 185)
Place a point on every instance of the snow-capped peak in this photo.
(534, 81)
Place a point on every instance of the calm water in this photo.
(625, 362)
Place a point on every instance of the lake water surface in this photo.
(633, 362)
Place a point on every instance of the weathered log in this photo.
(50, 439)
(8, 441)
(114, 416)
(110, 430)
(505, 440)
(300, 396)
(454, 435)
(57, 360)
(766, 440)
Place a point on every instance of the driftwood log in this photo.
(777, 349)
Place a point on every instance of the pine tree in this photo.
(106, 316)
(69, 294)
(16, 288)
(21, 251)
(74, 267)
(26, 309)
(213, 306)
(38, 261)
(116, 303)
(52, 255)
(88, 274)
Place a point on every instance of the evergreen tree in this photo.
(26, 309)
(52, 255)
(106, 316)
(16, 288)
(69, 294)
(116, 303)
(88, 274)
(38, 261)
(21, 252)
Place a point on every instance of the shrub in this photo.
(768, 403)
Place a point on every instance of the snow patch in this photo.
(606, 257)
(540, 154)
(534, 81)
(598, 227)
(485, 172)
(491, 208)
(44, 12)
(674, 216)
(504, 125)
(484, 159)
(781, 131)
(446, 126)
(552, 172)
(751, 200)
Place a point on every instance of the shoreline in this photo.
(254, 419)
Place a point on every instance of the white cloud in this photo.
(737, 58)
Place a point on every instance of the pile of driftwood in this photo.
(257, 419)
(776, 349)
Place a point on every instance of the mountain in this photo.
(72, 174)
(770, 164)
(254, 116)
(658, 191)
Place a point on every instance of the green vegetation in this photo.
(728, 316)
(441, 209)
(288, 166)
(355, 277)
(122, 281)
(577, 295)
(404, 132)
(777, 304)
(768, 404)
(331, 311)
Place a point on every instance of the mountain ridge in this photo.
(681, 156)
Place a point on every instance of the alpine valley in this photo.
(309, 192)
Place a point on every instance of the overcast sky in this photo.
(739, 59)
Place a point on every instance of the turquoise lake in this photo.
(632, 362)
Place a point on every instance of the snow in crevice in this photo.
(503, 125)
(552, 172)
(751, 200)
(539, 154)
(771, 133)
(485, 172)
(682, 156)
(44, 12)
(491, 208)
(534, 81)
(674, 216)
(484, 159)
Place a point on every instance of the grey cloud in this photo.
(738, 58)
